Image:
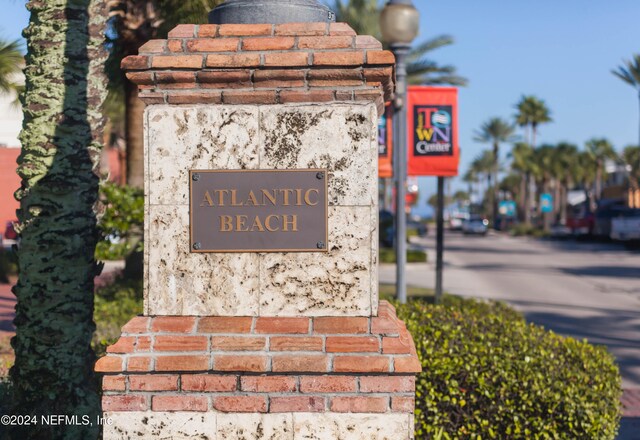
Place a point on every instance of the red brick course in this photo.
(263, 345)
(266, 384)
(209, 382)
(260, 364)
(300, 61)
(179, 402)
(264, 393)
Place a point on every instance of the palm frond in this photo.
(629, 72)
(11, 60)
(625, 76)
(429, 45)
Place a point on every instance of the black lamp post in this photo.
(399, 24)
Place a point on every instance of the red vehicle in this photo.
(580, 219)
(10, 232)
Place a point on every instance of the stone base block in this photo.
(286, 426)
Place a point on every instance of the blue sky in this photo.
(559, 50)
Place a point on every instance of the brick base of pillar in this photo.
(260, 377)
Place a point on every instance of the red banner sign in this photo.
(432, 116)
(385, 149)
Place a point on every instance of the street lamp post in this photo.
(399, 23)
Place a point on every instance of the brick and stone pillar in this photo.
(252, 344)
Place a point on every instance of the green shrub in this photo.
(387, 255)
(115, 305)
(522, 229)
(488, 374)
(121, 223)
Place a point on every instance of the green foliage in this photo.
(115, 305)
(122, 222)
(10, 66)
(388, 291)
(488, 374)
(387, 255)
(362, 15)
(522, 229)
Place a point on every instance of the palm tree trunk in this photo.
(598, 189)
(53, 371)
(557, 202)
(533, 136)
(564, 202)
(546, 216)
(522, 197)
(528, 201)
(134, 133)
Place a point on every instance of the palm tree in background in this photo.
(543, 158)
(599, 150)
(563, 173)
(483, 168)
(471, 179)
(630, 73)
(584, 174)
(11, 61)
(631, 157)
(61, 144)
(531, 113)
(363, 17)
(495, 131)
(522, 162)
(422, 70)
(133, 23)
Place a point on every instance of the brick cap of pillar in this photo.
(262, 64)
(319, 345)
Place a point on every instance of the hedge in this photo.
(488, 374)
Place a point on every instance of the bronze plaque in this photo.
(258, 210)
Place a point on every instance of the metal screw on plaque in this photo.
(320, 175)
(320, 245)
(195, 176)
(197, 246)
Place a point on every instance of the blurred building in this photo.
(9, 183)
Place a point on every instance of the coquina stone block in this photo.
(338, 137)
(241, 426)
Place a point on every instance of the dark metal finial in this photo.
(270, 11)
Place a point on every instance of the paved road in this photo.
(585, 290)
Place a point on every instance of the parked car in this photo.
(626, 227)
(603, 219)
(456, 219)
(475, 225)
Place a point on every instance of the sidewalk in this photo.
(7, 310)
